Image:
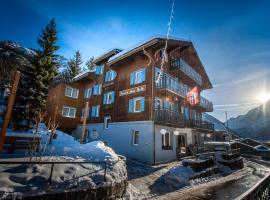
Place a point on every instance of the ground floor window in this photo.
(166, 140)
(135, 137)
(69, 112)
(107, 120)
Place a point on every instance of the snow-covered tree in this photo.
(74, 64)
(90, 63)
(46, 67)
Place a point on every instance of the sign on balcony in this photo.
(193, 96)
(132, 90)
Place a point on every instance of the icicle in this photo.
(165, 56)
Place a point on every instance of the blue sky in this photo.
(232, 37)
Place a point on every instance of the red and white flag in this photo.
(193, 97)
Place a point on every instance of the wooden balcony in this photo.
(206, 105)
(186, 69)
(170, 84)
(168, 117)
(200, 124)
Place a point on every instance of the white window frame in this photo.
(99, 89)
(133, 137)
(106, 123)
(136, 76)
(107, 100)
(134, 104)
(69, 108)
(72, 92)
(164, 140)
(110, 76)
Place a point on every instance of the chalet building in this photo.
(140, 110)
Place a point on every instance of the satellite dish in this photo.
(176, 132)
(163, 131)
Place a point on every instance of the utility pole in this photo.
(84, 122)
(226, 118)
(9, 108)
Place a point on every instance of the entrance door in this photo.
(181, 146)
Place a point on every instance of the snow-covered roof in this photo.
(140, 44)
(83, 74)
(107, 54)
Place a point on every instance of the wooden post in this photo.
(9, 109)
(84, 122)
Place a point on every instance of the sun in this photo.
(264, 97)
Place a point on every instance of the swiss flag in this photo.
(193, 97)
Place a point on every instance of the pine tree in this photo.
(46, 68)
(74, 64)
(90, 63)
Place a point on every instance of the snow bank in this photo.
(66, 145)
(19, 180)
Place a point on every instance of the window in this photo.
(137, 77)
(108, 98)
(107, 120)
(136, 105)
(166, 140)
(97, 89)
(69, 112)
(110, 76)
(161, 53)
(99, 70)
(72, 92)
(135, 137)
(95, 111)
(88, 93)
(83, 113)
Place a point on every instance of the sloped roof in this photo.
(83, 74)
(151, 41)
(107, 54)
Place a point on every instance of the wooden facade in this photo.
(182, 71)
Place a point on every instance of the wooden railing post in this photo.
(84, 122)
(9, 109)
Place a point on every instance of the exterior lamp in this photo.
(202, 135)
(208, 135)
(176, 132)
(163, 131)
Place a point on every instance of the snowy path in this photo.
(144, 184)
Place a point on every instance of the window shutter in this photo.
(93, 111)
(82, 112)
(105, 98)
(130, 105)
(97, 70)
(90, 92)
(112, 97)
(142, 104)
(132, 78)
(143, 74)
(101, 70)
(114, 75)
(106, 76)
(99, 88)
(85, 93)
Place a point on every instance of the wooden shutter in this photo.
(132, 78)
(142, 103)
(130, 105)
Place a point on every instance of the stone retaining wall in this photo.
(111, 192)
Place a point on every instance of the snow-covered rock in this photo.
(20, 180)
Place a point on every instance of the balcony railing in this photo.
(165, 116)
(171, 84)
(187, 69)
(192, 123)
(206, 104)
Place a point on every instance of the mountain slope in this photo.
(254, 124)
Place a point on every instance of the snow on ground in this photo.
(19, 180)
